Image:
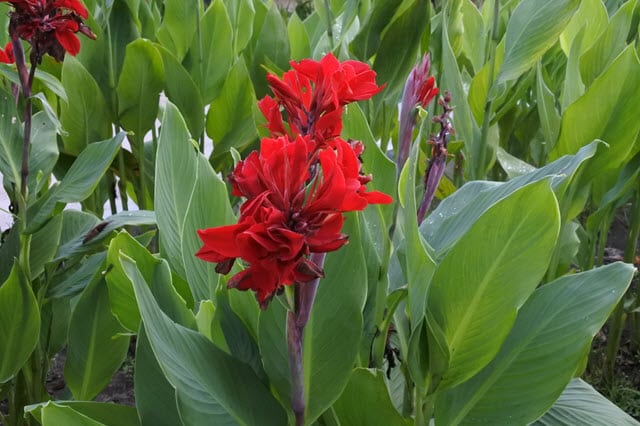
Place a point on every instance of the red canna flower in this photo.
(50, 26)
(6, 54)
(313, 95)
(299, 184)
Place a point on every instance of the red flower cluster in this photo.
(50, 26)
(299, 184)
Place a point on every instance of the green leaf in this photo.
(591, 14)
(230, 120)
(76, 282)
(298, 39)
(189, 196)
(155, 397)
(605, 111)
(609, 45)
(81, 413)
(95, 349)
(199, 370)
(10, 141)
(241, 14)
(44, 151)
(547, 112)
(19, 323)
(367, 41)
(210, 66)
(179, 24)
(182, 91)
(85, 116)
(271, 49)
(139, 86)
(399, 45)
(44, 244)
(579, 403)
(505, 254)
(533, 28)
(365, 401)
(512, 165)
(541, 354)
(455, 215)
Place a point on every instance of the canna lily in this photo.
(50, 26)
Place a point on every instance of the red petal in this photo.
(68, 41)
(73, 5)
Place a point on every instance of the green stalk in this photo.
(478, 168)
(327, 8)
(380, 339)
(200, 138)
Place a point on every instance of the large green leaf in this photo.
(82, 413)
(230, 120)
(179, 24)
(44, 151)
(365, 401)
(85, 116)
(211, 55)
(95, 349)
(367, 41)
(10, 140)
(189, 196)
(199, 370)
(458, 212)
(504, 255)
(542, 353)
(182, 91)
(533, 28)
(155, 397)
(241, 13)
(591, 14)
(139, 86)
(44, 244)
(581, 404)
(399, 45)
(19, 323)
(605, 111)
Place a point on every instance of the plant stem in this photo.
(478, 169)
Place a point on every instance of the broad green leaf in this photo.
(474, 35)
(605, 111)
(84, 174)
(512, 165)
(579, 403)
(367, 41)
(189, 196)
(44, 244)
(76, 282)
(547, 112)
(609, 45)
(365, 401)
(85, 116)
(399, 44)
(183, 92)
(272, 342)
(591, 15)
(199, 370)
(241, 14)
(82, 413)
(179, 24)
(155, 397)
(542, 352)
(505, 253)
(463, 121)
(230, 120)
(95, 349)
(298, 39)
(456, 213)
(533, 28)
(121, 295)
(19, 323)
(139, 86)
(271, 49)
(44, 151)
(10, 140)
(212, 54)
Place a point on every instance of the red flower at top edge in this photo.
(50, 26)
